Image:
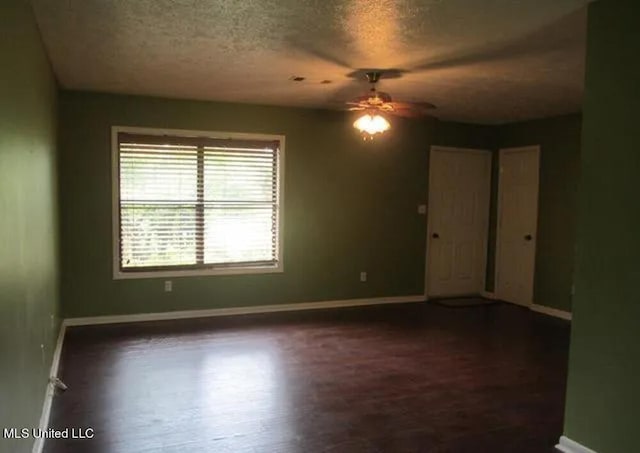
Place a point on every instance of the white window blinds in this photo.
(193, 203)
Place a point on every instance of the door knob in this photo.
(528, 237)
(435, 235)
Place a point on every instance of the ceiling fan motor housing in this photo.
(373, 76)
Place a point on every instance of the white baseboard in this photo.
(567, 445)
(38, 445)
(551, 311)
(214, 312)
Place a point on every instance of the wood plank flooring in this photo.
(404, 378)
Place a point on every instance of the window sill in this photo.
(119, 275)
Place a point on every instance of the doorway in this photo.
(458, 221)
(518, 187)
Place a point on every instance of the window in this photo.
(196, 203)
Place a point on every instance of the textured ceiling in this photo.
(488, 61)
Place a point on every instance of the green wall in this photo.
(603, 395)
(350, 206)
(466, 135)
(342, 196)
(559, 140)
(28, 221)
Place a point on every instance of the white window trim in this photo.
(115, 204)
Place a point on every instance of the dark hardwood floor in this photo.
(403, 378)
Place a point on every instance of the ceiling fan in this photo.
(381, 102)
(375, 104)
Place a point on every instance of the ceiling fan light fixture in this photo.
(370, 125)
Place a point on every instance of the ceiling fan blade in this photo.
(410, 109)
(408, 114)
(413, 105)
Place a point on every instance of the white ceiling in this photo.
(488, 61)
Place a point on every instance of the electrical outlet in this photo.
(168, 286)
(363, 276)
(422, 209)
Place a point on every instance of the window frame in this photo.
(119, 274)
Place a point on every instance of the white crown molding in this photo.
(567, 445)
(214, 312)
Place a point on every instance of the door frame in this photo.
(496, 273)
(485, 152)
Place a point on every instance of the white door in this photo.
(459, 186)
(517, 224)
